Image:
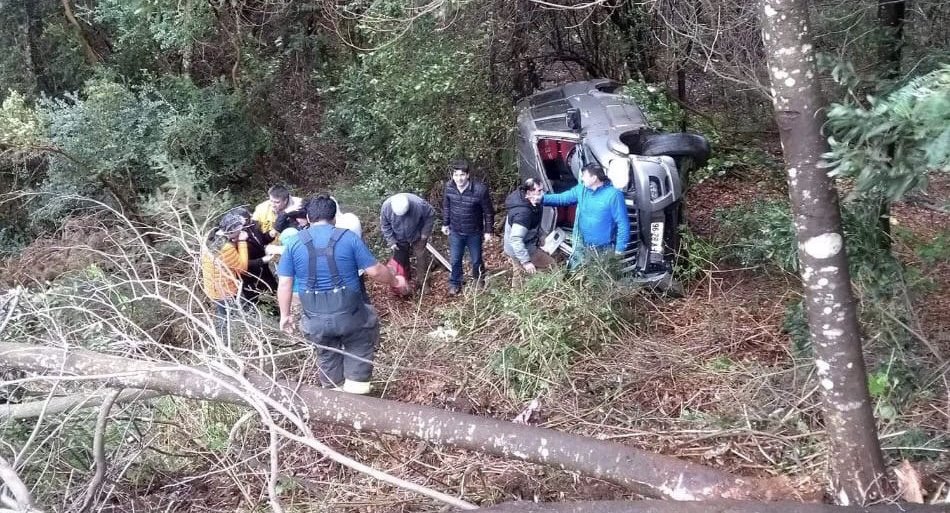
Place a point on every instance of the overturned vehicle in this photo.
(562, 129)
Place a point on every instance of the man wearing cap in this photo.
(468, 217)
(335, 317)
(406, 222)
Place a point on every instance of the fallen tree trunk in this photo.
(702, 507)
(645, 473)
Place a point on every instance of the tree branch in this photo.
(10, 479)
(61, 404)
(98, 451)
(644, 472)
(648, 506)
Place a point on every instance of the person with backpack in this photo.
(224, 259)
(335, 317)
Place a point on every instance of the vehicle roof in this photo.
(604, 115)
(600, 107)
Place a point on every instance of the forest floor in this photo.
(712, 377)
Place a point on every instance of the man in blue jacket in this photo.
(601, 221)
(467, 218)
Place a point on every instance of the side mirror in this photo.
(574, 119)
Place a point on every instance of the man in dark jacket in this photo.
(467, 218)
(406, 222)
(258, 278)
(522, 225)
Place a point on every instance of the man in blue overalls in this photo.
(335, 316)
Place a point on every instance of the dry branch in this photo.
(644, 472)
(61, 404)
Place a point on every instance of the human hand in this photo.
(394, 247)
(286, 324)
(243, 235)
(267, 258)
(529, 268)
(445, 230)
(273, 249)
(400, 283)
(488, 238)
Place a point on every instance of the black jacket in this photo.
(469, 212)
(521, 211)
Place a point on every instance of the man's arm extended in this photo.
(285, 293)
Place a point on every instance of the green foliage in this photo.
(662, 112)
(890, 146)
(171, 138)
(937, 250)
(543, 325)
(19, 127)
(404, 110)
(167, 24)
(795, 325)
(696, 258)
(760, 234)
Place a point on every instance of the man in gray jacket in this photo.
(521, 230)
(406, 222)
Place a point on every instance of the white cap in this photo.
(349, 221)
(400, 204)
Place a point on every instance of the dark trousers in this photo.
(405, 252)
(457, 245)
(348, 357)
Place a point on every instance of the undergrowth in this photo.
(535, 331)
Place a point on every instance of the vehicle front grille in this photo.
(631, 254)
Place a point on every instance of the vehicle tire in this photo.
(677, 145)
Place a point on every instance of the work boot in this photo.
(453, 290)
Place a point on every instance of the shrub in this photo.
(536, 330)
(404, 110)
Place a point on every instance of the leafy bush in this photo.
(890, 145)
(131, 142)
(404, 110)
(760, 234)
(544, 324)
(661, 110)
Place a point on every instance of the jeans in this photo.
(457, 245)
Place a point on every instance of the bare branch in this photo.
(98, 451)
(60, 404)
(21, 495)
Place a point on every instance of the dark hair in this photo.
(289, 219)
(595, 170)
(529, 185)
(459, 164)
(278, 191)
(321, 208)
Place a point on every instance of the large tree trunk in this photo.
(857, 463)
(648, 506)
(890, 15)
(643, 472)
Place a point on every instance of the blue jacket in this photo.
(601, 214)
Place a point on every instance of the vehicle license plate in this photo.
(656, 237)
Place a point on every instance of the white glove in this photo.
(267, 258)
(445, 230)
(488, 237)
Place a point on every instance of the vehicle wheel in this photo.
(677, 145)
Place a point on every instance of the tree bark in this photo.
(890, 15)
(643, 472)
(91, 56)
(699, 507)
(857, 463)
